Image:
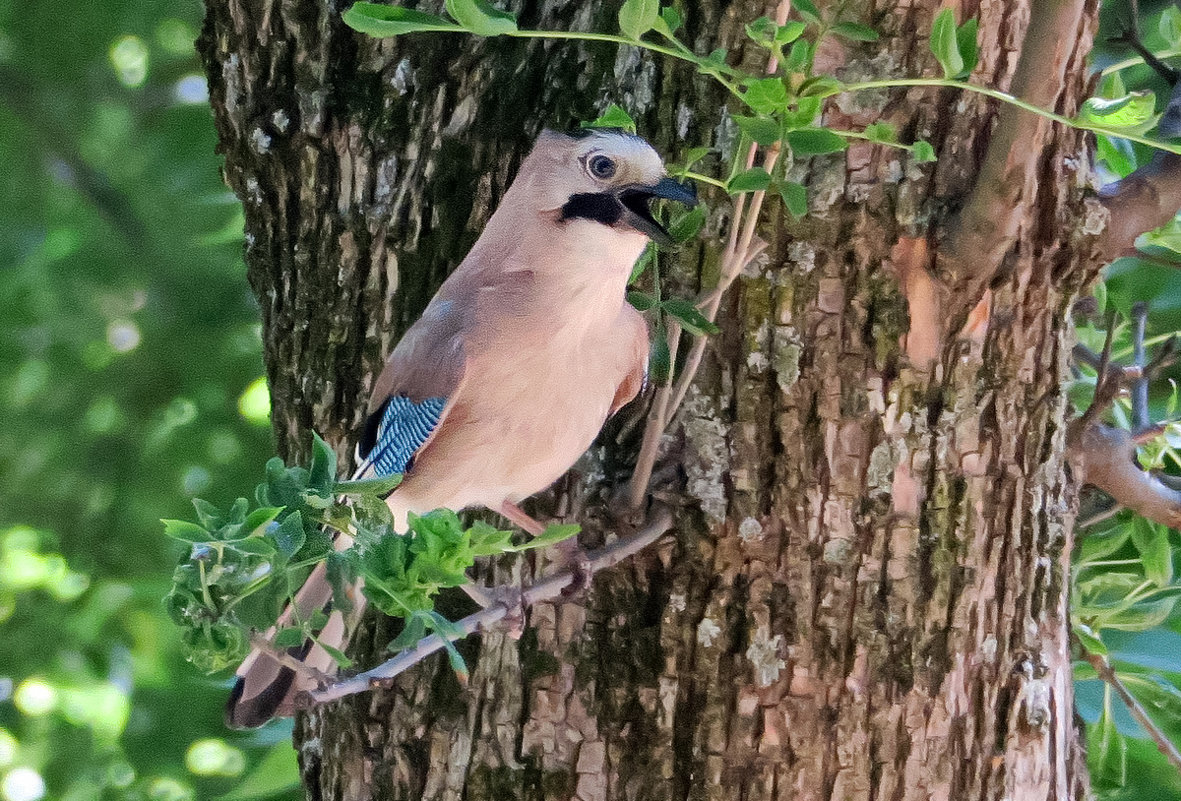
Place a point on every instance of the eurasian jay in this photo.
(521, 356)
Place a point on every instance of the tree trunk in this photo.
(866, 595)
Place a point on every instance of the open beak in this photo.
(637, 198)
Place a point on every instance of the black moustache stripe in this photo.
(601, 207)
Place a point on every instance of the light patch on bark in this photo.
(763, 654)
(708, 460)
(750, 530)
(786, 350)
(707, 632)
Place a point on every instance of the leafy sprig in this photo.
(244, 564)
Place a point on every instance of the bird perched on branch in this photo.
(522, 355)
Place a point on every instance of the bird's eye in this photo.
(601, 167)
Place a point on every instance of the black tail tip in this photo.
(261, 708)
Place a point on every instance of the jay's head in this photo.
(603, 175)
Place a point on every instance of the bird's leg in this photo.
(569, 551)
(518, 517)
(482, 595)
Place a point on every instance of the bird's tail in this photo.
(266, 689)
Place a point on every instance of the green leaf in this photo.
(922, 152)
(1129, 111)
(815, 142)
(690, 317)
(185, 531)
(369, 486)
(819, 87)
(413, 631)
(613, 117)
(1170, 25)
(646, 258)
(795, 197)
(641, 301)
(290, 536)
(670, 21)
(659, 361)
(322, 473)
(341, 571)
(763, 130)
(289, 637)
(751, 180)
(1099, 543)
(209, 515)
(1117, 153)
(806, 109)
(637, 17)
(694, 155)
(965, 39)
(807, 10)
(1107, 752)
(553, 534)
(316, 501)
(766, 95)
(944, 44)
(789, 32)
(856, 32)
(1089, 638)
(1152, 542)
(480, 17)
(687, 224)
(1144, 615)
(487, 540)
(763, 30)
(257, 520)
(882, 132)
(799, 56)
(450, 632)
(342, 661)
(381, 20)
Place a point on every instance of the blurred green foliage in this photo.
(129, 367)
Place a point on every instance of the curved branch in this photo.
(1105, 457)
(545, 590)
(988, 224)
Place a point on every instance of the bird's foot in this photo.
(574, 557)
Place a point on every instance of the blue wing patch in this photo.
(403, 428)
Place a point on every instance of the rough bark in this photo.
(867, 596)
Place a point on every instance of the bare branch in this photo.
(988, 224)
(1105, 671)
(1105, 457)
(1146, 199)
(545, 590)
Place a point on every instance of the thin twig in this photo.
(737, 255)
(545, 590)
(1105, 671)
(1140, 417)
(1107, 382)
(316, 677)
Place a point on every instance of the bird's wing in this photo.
(416, 390)
(411, 397)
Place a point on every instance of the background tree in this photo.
(867, 591)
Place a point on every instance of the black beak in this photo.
(637, 198)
